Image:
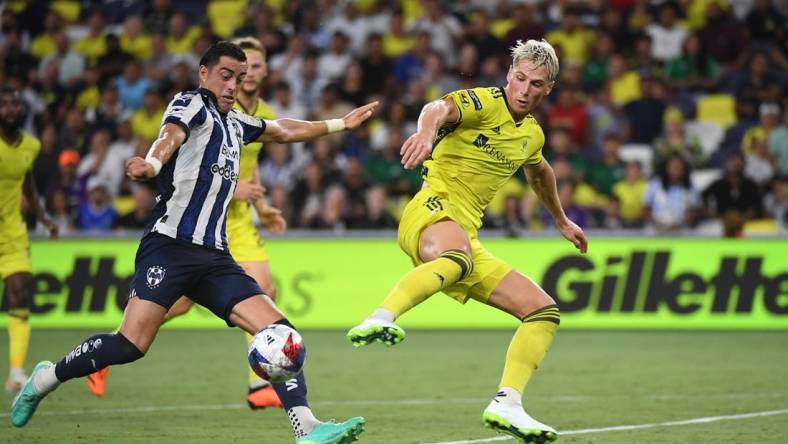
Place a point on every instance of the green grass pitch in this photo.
(431, 388)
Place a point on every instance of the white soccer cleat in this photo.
(511, 419)
(376, 330)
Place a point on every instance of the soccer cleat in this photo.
(512, 419)
(332, 433)
(27, 399)
(376, 330)
(14, 382)
(97, 382)
(262, 397)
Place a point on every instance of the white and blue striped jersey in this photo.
(197, 183)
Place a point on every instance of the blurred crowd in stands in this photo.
(668, 115)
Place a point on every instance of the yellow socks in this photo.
(18, 336)
(528, 346)
(426, 280)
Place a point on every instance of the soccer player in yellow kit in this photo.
(471, 142)
(244, 241)
(18, 151)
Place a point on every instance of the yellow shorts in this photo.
(245, 243)
(427, 208)
(15, 257)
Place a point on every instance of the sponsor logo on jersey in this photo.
(230, 153)
(225, 171)
(481, 142)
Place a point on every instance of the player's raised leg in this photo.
(141, 322)
(18, 288)
(254, 313)
(261, 393)
(97, 381)
(520, 296)
(445, 249)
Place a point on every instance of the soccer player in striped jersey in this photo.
(471, 142)
(244, 241)
(18, 151)
(184, 248)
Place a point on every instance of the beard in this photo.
(12, 123)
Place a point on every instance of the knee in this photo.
(19, 292)
(127, 350)
(270, 291)
(430, 251)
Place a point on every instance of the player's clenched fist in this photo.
(417, 148)
(138, 169)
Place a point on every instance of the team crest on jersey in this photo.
(524, 147)
(154, 276)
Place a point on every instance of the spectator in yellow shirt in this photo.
(146, 121)
(44, 44)
(134, 41)
(181, 37)
(769, 121)
(624, 83)
(397, 41)
(629, 193)
(94, 44)
(572, 38)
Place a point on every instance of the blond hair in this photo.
(247, 43)
(540, 53)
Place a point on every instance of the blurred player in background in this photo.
(244, 241)
(473, 141)
(18, 151)
(184, 248)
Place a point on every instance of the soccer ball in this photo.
(277, 353)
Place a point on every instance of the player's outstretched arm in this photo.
(171, 137)
(542, 180)
(292, 130)
(433, 116)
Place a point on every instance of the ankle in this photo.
(302, 420)
(45, 380)
(383, 315)
(509, 395)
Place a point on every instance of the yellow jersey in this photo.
(239, 213)
(474, 157)
(140, 47)
(92, 47)
(16, 159)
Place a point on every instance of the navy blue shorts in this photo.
(166, 269)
